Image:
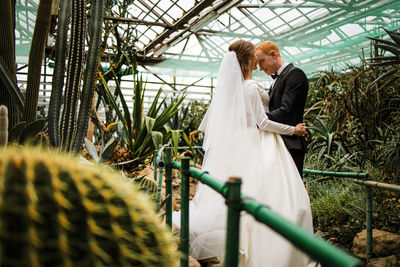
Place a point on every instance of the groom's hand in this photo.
(300, 129)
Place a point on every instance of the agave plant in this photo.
(179, 127)
(392, 47)
(324, 137)
(388, 150)
(143, 133)
(176, 121)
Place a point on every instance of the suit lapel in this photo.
(280, 78)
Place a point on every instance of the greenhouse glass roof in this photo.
(189, 38)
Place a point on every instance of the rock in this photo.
(383, 262)
(176, 202)
(212, 262)
(383, 243)
(175, 174)
(192, 190)
(148, 171)
(193, 262)
(321, 234)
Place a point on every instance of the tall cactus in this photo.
(89, 81)
(74, 73)
(70, 132)
(56, 212)
(59, 71)
(3, 126)
(35, 59)
(7, 53)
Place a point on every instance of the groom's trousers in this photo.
(298, 158)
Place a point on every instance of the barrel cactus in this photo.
(57, 212)
(147, 185)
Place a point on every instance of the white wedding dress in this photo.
(241, 141)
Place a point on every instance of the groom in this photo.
(287, 96)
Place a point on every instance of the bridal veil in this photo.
(230, 150)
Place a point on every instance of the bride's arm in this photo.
(262, 120)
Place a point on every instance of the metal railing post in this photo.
(306, 177)
(184, 233)
(159, 186)
(233, 201)
(369, 223)
(155, 164)
(168, 186)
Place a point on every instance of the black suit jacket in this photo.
(287, 101)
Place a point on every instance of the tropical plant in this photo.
(56, 211)
(360, 105)
(143, 134)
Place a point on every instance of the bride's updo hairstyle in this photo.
(245, 53)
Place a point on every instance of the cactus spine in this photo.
(3, 126)
(56, 212)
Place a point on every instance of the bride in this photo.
(241, 141)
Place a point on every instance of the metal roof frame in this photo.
(313, 34)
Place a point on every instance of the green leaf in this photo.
(188, 142)
(15, 132)
(175, 140)
(127, 114)
(92, 150)
(394, 35)
(11, 85)
(149, 123)
(391, 48)
(106, 154)
(137, 105)
(382, 41)
(154, 108)
(32, 129)
(126, 124)
(157, 138)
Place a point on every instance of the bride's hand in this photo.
(300, 129)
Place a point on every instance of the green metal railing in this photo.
(359, 178)
(314, 246)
